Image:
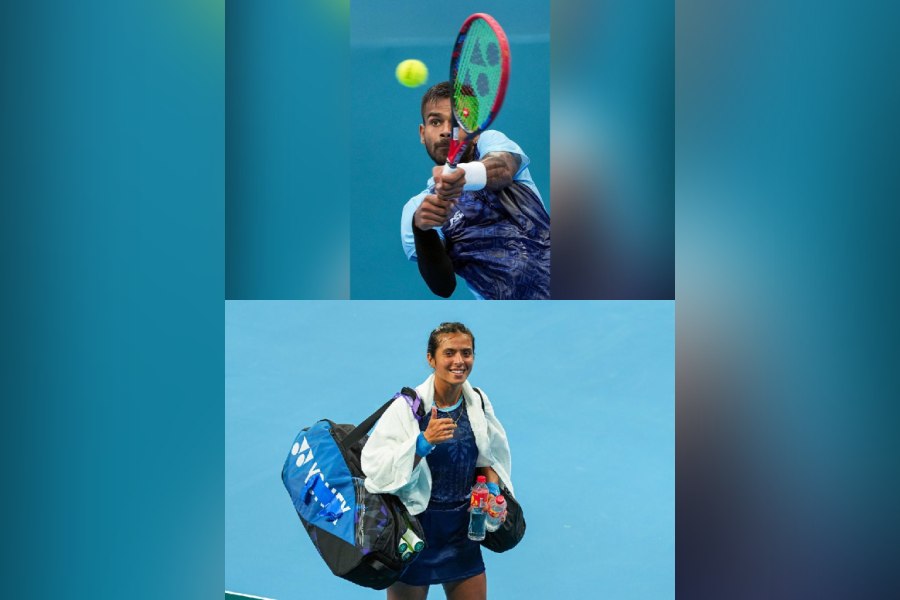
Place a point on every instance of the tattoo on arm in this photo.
(501, 167)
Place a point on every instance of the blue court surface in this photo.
(389, 164)
(585, 391)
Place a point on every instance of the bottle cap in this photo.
(500, 500)
(481, 479)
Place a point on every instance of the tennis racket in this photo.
(479, 72)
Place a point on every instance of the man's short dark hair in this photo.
(438, 91)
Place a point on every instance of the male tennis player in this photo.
(485, 221)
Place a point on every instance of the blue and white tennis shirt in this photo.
(498, 242)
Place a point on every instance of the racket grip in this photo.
(448, 168)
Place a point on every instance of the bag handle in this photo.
(480, 396)
(503, 489)
(331, 504)
(412, 399)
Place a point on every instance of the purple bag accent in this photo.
(415, 403)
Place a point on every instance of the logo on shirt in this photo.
(455, 218)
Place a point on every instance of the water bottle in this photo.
(478, 506)
(496, 513)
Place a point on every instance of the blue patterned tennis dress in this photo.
(449, 554)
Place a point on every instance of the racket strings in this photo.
(477, 81)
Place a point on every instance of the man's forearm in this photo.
(434, 262)
(501, 167)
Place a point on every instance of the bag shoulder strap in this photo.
(480, 396)
(412, 399)
(506, 493)
(505, 489)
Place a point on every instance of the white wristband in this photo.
(476, 175)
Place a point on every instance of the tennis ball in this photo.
(412, 73)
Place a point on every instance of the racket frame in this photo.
(457, 146)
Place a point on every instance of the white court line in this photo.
(247, 596)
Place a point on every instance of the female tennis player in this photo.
(431, 466)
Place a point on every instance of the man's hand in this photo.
(448, 186)
(438, 430)
(433, 212)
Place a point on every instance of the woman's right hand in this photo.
(438, 430)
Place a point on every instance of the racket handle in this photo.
(448, 168)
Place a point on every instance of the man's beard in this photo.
(467, 156)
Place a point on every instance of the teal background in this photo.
(787, 188)
(287, 150)
(389, 164)
(111, 175)
(613, 165)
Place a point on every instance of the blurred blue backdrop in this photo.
(585, 392)
(613, 131)
(286, 148)
(112, 150)
(388, 163)
(788, 358)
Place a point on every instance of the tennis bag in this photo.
(512, 530)
(356, 533)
